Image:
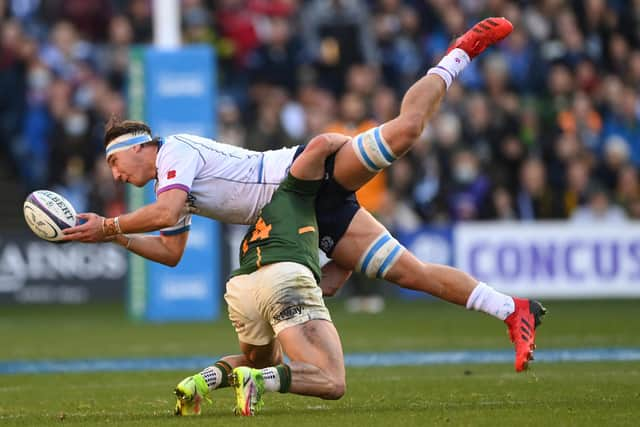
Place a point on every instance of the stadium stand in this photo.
(562, 92)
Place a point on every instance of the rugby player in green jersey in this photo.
(275, 303)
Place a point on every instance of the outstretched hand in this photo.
(333, 278)
(88, 230)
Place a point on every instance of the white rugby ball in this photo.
(48, 213)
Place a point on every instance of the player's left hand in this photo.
(89, 229)
(333, 278)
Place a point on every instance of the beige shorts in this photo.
(271, 299)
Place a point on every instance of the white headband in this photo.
(126, 141)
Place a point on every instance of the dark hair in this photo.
(116, 127)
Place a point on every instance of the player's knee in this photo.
(320, 144)
(317, 143)
(337, 389)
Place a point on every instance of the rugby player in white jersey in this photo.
(275, 303)
(196, 175)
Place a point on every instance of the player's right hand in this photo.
(88, 230)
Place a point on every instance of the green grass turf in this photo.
(487, 395)
(64, 332)
(604, 393)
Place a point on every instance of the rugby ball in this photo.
(48, 213)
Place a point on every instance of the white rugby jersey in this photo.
(223, 182)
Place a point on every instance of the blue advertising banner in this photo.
(174, 92)
(190, 291)
(428, 244)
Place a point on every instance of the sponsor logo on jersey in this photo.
(171, 174)
(288, 313)
(326, 244)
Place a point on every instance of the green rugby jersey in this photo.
(286, 229)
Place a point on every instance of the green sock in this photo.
(226, 369)
(284, 371)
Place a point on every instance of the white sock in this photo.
(488, 300)
(212, 376)
(451, 65)
(271, 379)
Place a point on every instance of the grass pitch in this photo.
(602, 393)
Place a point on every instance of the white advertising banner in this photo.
(552, 259)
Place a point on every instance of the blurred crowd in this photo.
(544, 126)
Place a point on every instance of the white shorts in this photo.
(271, 299)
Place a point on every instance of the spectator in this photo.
(89, 17)
(535, 199)
(520, 57)
(14, 84)
(267, 133)
(598, 208)
(624, 120)
(139, 14)
(397, 34)
(627, 191)
(616, 156)
(633, 72)
(65, 50)
(469, 189)
(338, 35)
(362, 80)
(577, 186)
(276, 60)
(500, 206)
(634, 209)
(581, 120)
(113, 59)
(230, 129)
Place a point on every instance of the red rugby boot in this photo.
(482, 35)
(522, 325)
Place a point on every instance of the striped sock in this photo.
(271, 378)
(277, 378)
(212, 376)
(216, 376)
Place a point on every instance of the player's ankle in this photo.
(451, 65)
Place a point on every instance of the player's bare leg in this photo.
(418, 105)
(367, 247)
(317, 361)
(447, 283)
(356, 163)
(316, 368)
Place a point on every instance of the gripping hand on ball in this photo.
(89, 230)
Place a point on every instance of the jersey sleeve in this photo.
(183, 224)
(178, 164)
